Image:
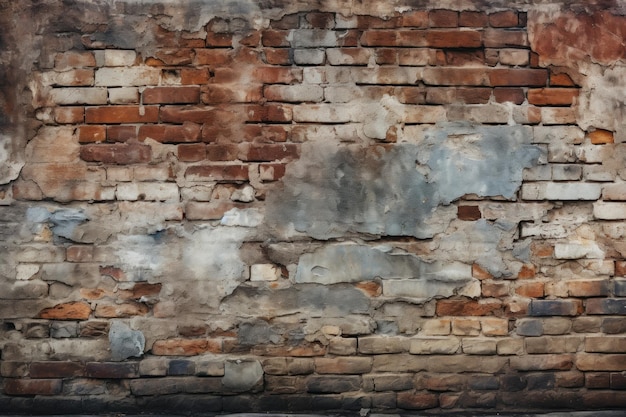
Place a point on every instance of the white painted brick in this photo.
(592, 153)
(119, 58)
(558, 116)
(26, 271)
(515, 212)
(488, 113)
(544, 230)
(560, 152)
(314, 38)
(124, 95)
(561, 191)
(558, 134)
(314, 75)
(309, 56)
(566, 172)
(341, 57)
(342, 93)
(323, 113)
(67, 96)
(264, 272)
(509, 56)
(349, 22)
(74, 77)
(127, 77)
(149, 191)
(615, 192)
(609, 211)
(422, 114)
(119, 174)
(538, 173)
(386, 75)
(575, 250)
(598, 173)
(294, 93)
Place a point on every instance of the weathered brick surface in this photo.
(283, 209)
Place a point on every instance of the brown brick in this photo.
(479, 272)
(415, 19)
(79, 253)
(504, 38)
(494, 289)
(195, 114)
(551, 344)
(343, 365)
(597, 380)
(269, 152)
(222, 152)
(90, 134)
(219, 40)
(610, 344)
(128, 309)
(600, 362)
(191, 152)
(122, 114)
(620, 268)
(194, 76)
(277, 75)
(466, 308)
(218, 172)
(468, 213)
(455, 76)
(187, 132)
(518, 77)
(530, 289)
(288, 366)
(601, 137)
(176, 56)
(186, 347)
(442, 18)
(389, 38)
(454, 39)
(504, 19)
(588, 288)
(121, 133)
(412, 400)
(269, 113)
(552, 96)
(241, 93)
(116, 153)
(513, 95)
(112, 370)
(74, 59)
(472, 19)
(460, 58)
(32, 386)
(275, 38)
(69, 115)
(75, 310)
(277, 56)
(612, 306)
(171, 95)
(56, 369)
(304, 349)
(140, 290)
(559, 362)
(560, 80)
(374, 22)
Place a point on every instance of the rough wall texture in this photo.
(292, 206)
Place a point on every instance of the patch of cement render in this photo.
(125, 342)
(403, 190)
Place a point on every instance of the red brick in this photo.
(552, 96)
(195, 114)
(60, 369)
(269, 113)
(229, 93)
(468, 213)
(530, 289)
(503, 38)
(441, 18)
(32, 386)
(277, 56)
(275, 38)
(74, 59)
(455, 76)
(171, 95)
(196, 76)
(186, 347)
(219, 40)
(288, 21)
(597, 380)
(251, 39)
(213, 57)
(466, 308)
(116, 273)
(69, 115)
(112, 370)
(410, 95)
(191, 152)
(415, 18)
(93, 133)
(320, 20)
(265, 133)
(139, 290)
(518, 77)
(116, 153)
(373, 22)
(177, 56)
(218, 172)
(560, 80)
(122, 114)
(588, 288)
(79, 253)
(123, 310)
(504, 19)
(601, 137)
(528, 271)
(472, 19)
(269, 152)
(121, 133)
(382, 38)
(495, 289)
(620, 268)
(222, 152)
(74, 310)
(187, 132)
(473, 95)
(513, 95)
(454, 39)
(277, 75)
(479, 272)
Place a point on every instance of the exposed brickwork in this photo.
(375, 206)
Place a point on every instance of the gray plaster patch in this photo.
(65, 221)
(125, 342)
(399, 190)
(242, 375)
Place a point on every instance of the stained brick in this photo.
(128, 309)
(472, 19)
(552, 96)
(468, 213)
(412, 400)
(191, 152)
(89, 134)
(122, 154)
(614, 306)
(118, 133)
(555, 307)
(504, 38)
(442, 18)
(170, 95)
(453, 39)
(217, 173)
(112, 370)
(56, 369)
(69, 115)
(67, 311)
(33, 386)
(187, 132)
(600, 362)
(504, 19)
(513, 95)
(269, 152)
(122, 114)
(455, 76)
(560, 362)
(518, 77)
(186, 347)
(343, 365)
(466, 308)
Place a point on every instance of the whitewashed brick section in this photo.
(558, 134)
(566, 172)
(561, 191)
(614, 192)
(264, 272)
(509, 56)
(323, 113)
(312, 38)
(149, 191)
(127, 77)
(609, 211)
(123, 95)
(68, 96)
(593, 153)
(341, 57)
(576, 250)
(119, 58)
(294, 93)
(309, 56)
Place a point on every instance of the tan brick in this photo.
(434, 345)
(561, 362)
(186, 347)
(343, 365)
(383, 344)
(553, 344)
(600, 362)
(608, 344)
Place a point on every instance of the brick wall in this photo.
(223, 207)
